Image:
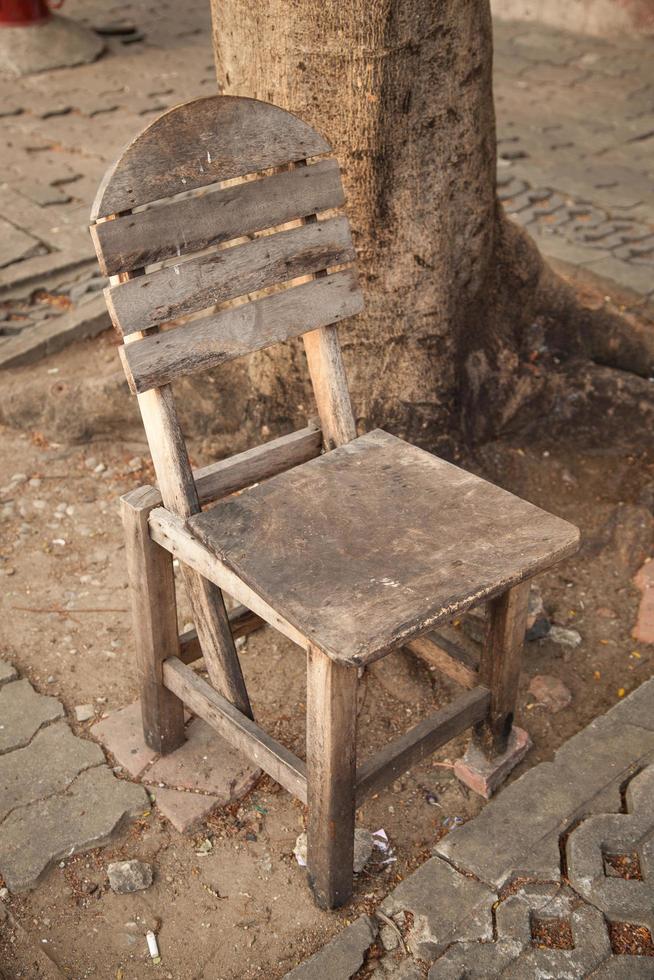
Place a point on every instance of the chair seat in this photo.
(373, 543)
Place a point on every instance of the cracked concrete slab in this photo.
(85, 815)
(342, 957)
(444, 905)
(7, 672)
(555, 794)
(23, 712)
(47, 765)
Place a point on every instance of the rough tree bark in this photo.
(403, 91)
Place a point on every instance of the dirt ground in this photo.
(243, 910)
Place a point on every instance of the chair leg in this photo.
(331, 769)
(499, 669)
(152, 587)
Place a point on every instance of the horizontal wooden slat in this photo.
(239, 730)
(242, 621)
(437, 651)
(200, 283)
(243, 469)
(201, 142)
(172, 534)
(160, 359)
(260, 463)
(191, 224)
(427, 736)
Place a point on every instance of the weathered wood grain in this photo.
(437, 651)
(159, 359)
(330, 388)
(236, 728)
(206, 280)
(499, 668)
(327, 372)
(185, 225)
(177, 487)
(202, 142)
(259, 463)
(331, 770)
(377, 542)
(420, 741)
(173, 534)
(154, 624)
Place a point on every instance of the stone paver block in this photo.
(342, 957)
(47, 765)
(496, 845)
(121, 733)
(86, 815)
(483, 775)
(184, 810)
(514, 955)
(637, 708)
(206, 762)
(620, 899)
(445, 906)
(22, 713)
(644, 580)
(7, 672)
(625, 968)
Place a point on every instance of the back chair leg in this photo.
(331, 772)
(154, 612)
(500, 665)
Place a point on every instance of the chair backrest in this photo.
(208, 228)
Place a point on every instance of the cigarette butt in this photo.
(153, 946)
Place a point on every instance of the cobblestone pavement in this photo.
(576, 147)
(575, 128)
(553, 879)
(62, 130)
(57, 795)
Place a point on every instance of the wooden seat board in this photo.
(201, 142)
(159, 359)
(200, 283)
(377, 541)
(191, 224)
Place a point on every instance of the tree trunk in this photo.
(403, 91)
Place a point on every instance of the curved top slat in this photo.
(201, 142)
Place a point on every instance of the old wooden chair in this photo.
(351, 547)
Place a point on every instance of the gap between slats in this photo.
(202, 282)
(182, 225)
(159, 359)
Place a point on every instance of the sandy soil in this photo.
(244, 911)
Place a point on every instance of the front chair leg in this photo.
(331, 773)
(154, 616)
(500, 665)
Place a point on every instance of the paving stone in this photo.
(620, 899)
(7, 672)
(47, 765)
(342, 957)
(514, 955)
(644, 580)
(205, 762)
(637, 708)
(445, 906)
(81, 322)
(23, 712)
(554, 794)
(121, 733)
(15, 243)
(85, 815)
(184, 810)
(625, 968)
